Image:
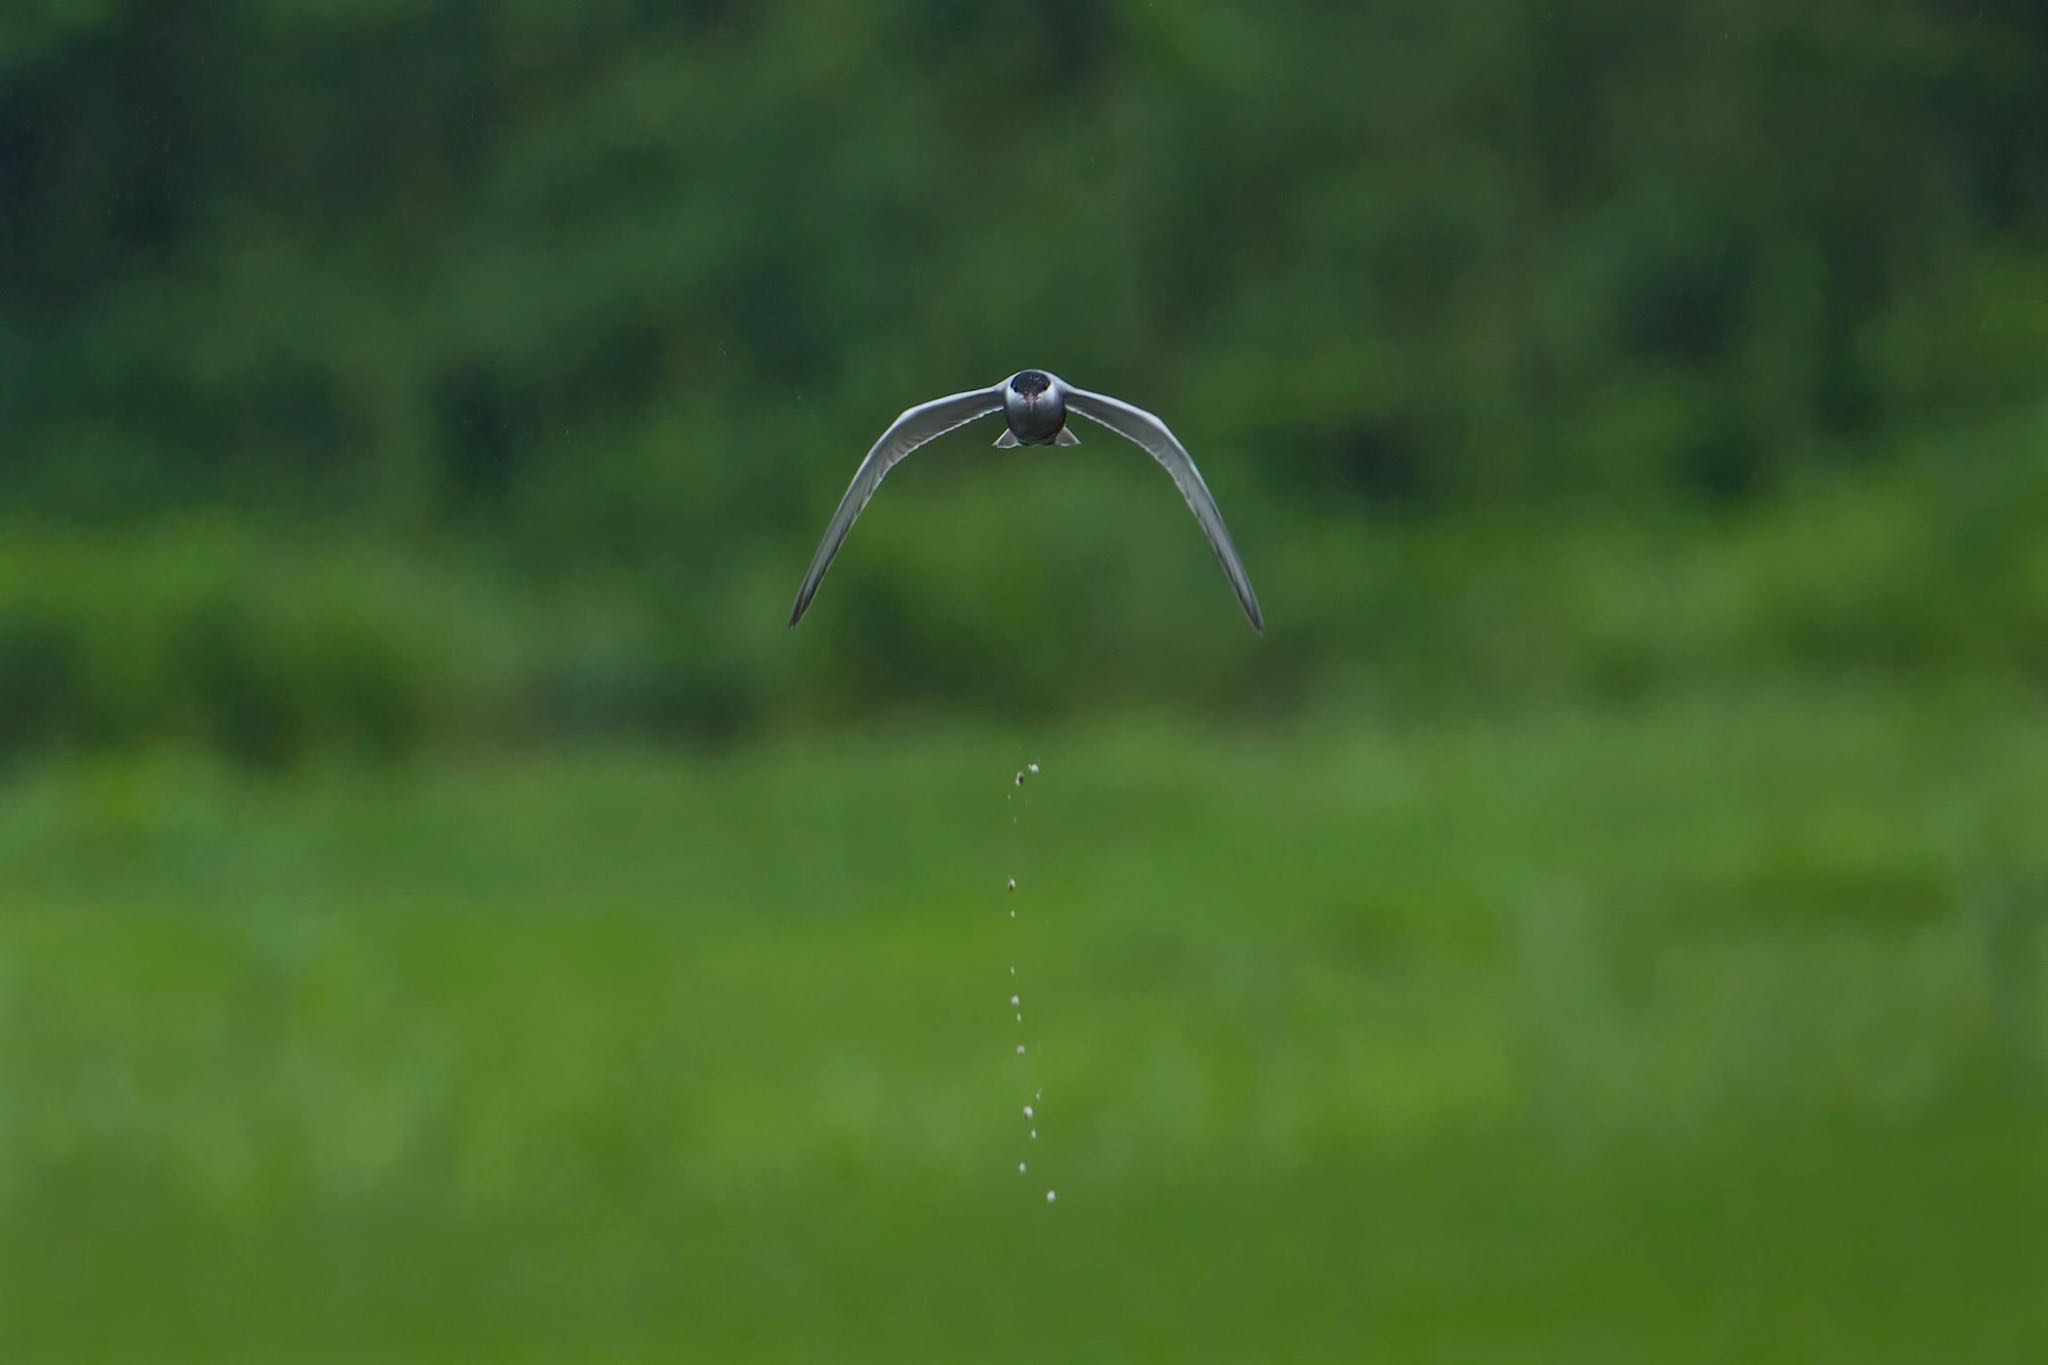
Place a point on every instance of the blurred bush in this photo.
(195, 632)
(1928, 573)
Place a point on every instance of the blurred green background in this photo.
(445, 915)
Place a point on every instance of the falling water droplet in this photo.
(1020, 1016)
(1020, 777)
(1034, 1135)
(1051, 1195)
(1016, 999)
(1028, 1113)
(1020, 1049)
(1031, 768)
(1020, 1168)
(1013, 883)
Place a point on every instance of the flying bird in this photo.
(1034, 405)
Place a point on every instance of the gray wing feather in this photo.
(1151, 435)
(914, 428)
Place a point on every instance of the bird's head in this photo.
(1035, 404)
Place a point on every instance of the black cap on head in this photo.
(1031, 381)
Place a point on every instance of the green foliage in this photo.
(590, 310)
(1030, 593)
(201, 634)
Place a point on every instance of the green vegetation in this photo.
(527, 346)
(1706, 1033)
(1930, 571)
(445, 915)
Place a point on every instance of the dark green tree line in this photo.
(585, 312)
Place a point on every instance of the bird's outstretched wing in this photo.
(1150, 434)
(915, 427)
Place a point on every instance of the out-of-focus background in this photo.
(445, 915)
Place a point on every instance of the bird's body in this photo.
(1035, 406)
(1035, 409)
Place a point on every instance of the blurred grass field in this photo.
(1711, 1030)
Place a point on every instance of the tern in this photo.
(1034, 405)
